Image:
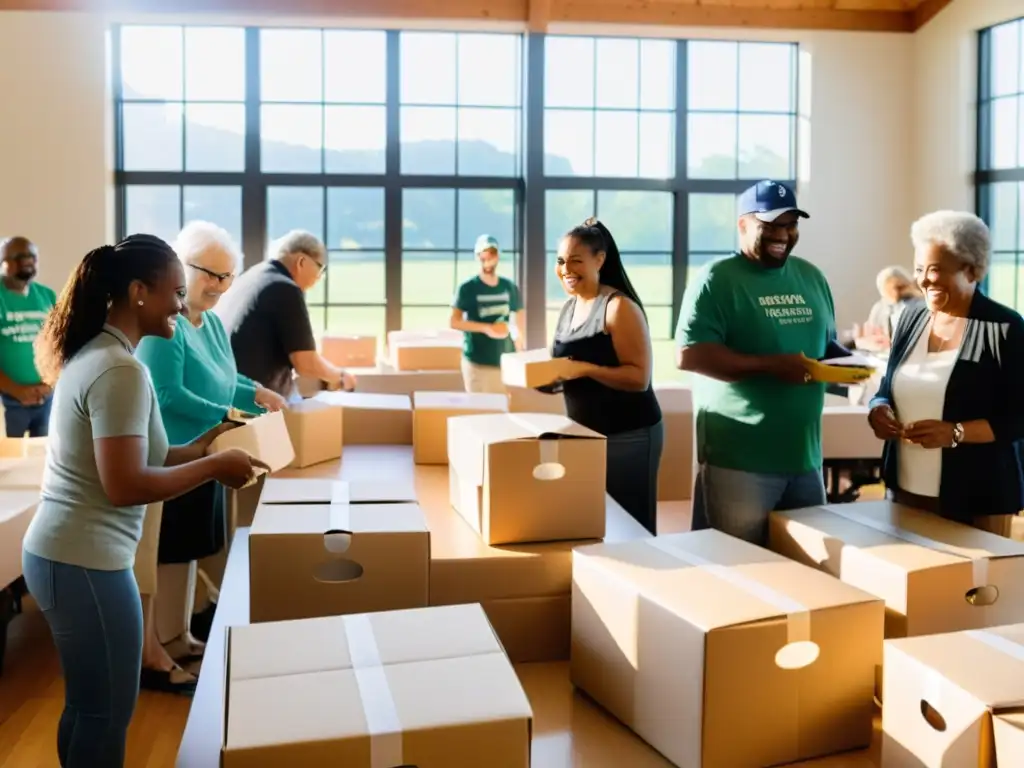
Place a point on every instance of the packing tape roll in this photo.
(979, 565)
(998, 642)
(798, 617)
(382, 723)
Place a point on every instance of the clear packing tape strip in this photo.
(382, 722)
(979, 565)
(934, 681)
(798, 617)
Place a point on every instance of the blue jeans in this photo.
(632, 472)
(19, 419)
(96, 621)
(738, 503)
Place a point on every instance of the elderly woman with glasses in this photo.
(197, 383)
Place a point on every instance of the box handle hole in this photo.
(932, 717)
(337, 571)
(981, 597)
(797, 655)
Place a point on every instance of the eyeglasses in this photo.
(321, 266)
(220, 277)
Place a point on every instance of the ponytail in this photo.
(598, 238)
(101, 280)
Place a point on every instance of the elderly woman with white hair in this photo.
(950, 406)
(197, 383)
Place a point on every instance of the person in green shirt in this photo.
(747, 324)
(24, 305)
(482, 309)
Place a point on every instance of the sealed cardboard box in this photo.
(315, 429)
(350, 351)
(385, 380)
(846, 434)
(17, 508)
(430, 414)
(675, 473)
(373, 419)
(955, 700)
(674, 634)
(535, 368)
(427, 687)
(313, 560)
(934, 575)
(527, 477)
(263, 437)
(524, 400)
(425, 351)
(304, 490)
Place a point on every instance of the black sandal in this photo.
(174, 680)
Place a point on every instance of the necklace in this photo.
(954, 326)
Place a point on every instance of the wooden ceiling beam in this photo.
(538, 15)
(928, 10)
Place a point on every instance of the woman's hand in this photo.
(234, 467)
(269, 400)
(884, 423)
(930, 433)
(201, 445)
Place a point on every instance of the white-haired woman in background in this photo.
(197, 383)
(950, 407)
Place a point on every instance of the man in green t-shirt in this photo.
(24, 305)
(746, 325)
(482, 309)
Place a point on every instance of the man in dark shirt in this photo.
(266, 318)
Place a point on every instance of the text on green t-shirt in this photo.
(483, 303)
(21, 319)
(759, 424)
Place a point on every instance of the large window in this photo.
(399, 149)
(1000, 176)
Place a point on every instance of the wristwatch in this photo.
(958, 434)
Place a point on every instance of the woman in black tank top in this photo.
(604, 326)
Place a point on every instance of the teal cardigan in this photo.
(195, 377)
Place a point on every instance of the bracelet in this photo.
(958, 434)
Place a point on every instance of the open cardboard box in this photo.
(720, 653)
(427, 687)
(518, 477)
(955, 700)
(308, 560)
(263, 437)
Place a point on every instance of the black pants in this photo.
(193, 526)
(632, 472)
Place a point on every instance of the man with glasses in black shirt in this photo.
(266, 317)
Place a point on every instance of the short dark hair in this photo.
(101, 280)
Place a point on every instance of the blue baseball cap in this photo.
(486, 243)
(768, 200)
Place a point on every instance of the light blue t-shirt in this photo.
(195, 377)
(102, 392)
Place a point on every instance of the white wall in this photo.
(55, 180)
(945, 97)
(856, 161)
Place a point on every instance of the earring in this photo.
(141, 302)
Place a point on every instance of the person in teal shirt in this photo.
(197, 383)
(482, 309)
(747, 325)
(24, 306)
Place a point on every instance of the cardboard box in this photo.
(24, 473)
(315, 429)
(437, 351)
(934, 575)
(22, 447)
(427, 687)
(371, 474)
(527, 477)
(846, 434)
(373, 419)
(264, 437)
(430, 414)
(382, 379)
(691, 639)
(535, 368)
(523, 400)
(350, 351)
(955, 700)
(329, 559)
(17, 508)
(675, 473)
